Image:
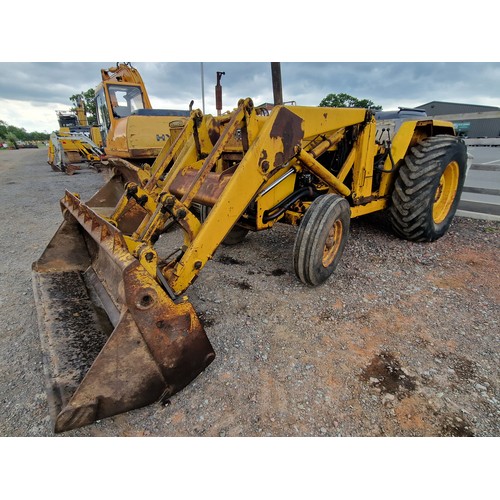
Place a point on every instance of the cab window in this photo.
(125, 100)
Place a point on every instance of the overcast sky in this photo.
(30, 93)
(367, 39)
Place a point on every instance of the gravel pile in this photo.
(403, 340)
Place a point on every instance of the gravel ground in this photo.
(402, 341)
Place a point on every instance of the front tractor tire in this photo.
(428, 188)
(321, 239)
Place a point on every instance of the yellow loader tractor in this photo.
(118, 331)
(75, 142)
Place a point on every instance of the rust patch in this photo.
(214, 131)
(262, 159)
(145, 153)
(288, 127)
(208, 193)
(129, 221)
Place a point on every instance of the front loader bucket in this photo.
(112, 339)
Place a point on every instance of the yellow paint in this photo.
(446, 192)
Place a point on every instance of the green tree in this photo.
(3, 129)
(11, 134)
(12, 139)
(343, 100)
(19, 133)
(89, 102)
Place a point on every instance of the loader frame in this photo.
(272, 151)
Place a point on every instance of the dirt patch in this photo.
(385, 373)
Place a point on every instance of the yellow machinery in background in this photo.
(75, 142)
(133, 133)
(117, 328)
(129, 134)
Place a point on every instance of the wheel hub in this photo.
(445, 192)
(332, 243)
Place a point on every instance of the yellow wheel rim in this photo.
(445, 192)
(332, 243)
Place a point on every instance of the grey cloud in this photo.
(305, 82)
(46, 82)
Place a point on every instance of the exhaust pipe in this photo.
(277, 86)
(218, 93)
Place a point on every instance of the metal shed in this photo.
(470, 120)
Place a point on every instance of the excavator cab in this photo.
(131, 129)
(125, 100)
(117, 101)
(67, 120)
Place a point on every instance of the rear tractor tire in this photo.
(428, 188)
(321, 239)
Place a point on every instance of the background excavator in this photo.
(129, 132)
(133, 133)
(118, 331)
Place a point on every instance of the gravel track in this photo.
(403, 340)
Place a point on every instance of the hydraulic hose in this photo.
(285, 204)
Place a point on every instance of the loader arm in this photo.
(274, 145)
(273, 148)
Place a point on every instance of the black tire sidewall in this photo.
(235, 236)
(455, 153)
(413, 197)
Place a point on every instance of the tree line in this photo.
(344, 100)
(12, 135)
